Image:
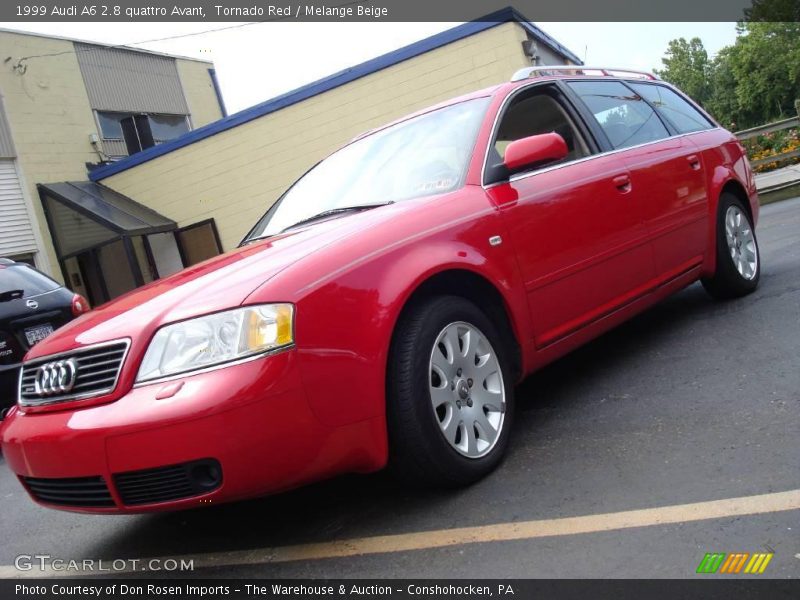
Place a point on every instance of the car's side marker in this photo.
(495, 240)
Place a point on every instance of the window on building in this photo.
(198, 242)
(164, 127)
(23, 258)
(625, 117)
(168, 127)
(683, 116)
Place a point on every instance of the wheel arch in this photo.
(723, 180)
(479, 290)
(733, 186)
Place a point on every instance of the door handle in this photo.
(623, 183)
(694, 162)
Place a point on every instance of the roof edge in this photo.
(104, 45)
(505, 15)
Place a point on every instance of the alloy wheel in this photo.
(741, 242)
(467, 392)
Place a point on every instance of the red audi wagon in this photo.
(383, 309)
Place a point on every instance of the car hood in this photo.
(217, 284)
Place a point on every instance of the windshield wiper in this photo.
(322, 215)
(335, 211)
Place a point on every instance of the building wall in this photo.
(199, 91)
(235, 175)
(50, 118)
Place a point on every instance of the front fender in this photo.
(345, 324)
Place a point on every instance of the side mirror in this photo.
(533, 151)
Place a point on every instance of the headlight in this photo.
(218, 338)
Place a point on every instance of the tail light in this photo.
(79, 305)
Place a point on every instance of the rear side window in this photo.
(683, 116)
(29, 281)
(625, 117)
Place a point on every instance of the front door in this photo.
(577, 226)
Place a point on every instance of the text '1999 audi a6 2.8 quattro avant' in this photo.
(383, 309)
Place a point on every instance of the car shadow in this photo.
(353, 506)
(555, 385)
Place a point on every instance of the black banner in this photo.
(395, 10)
(580, 589)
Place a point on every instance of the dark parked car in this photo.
(32, 306)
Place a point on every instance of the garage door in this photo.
(16, 233)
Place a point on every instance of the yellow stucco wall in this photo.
(51, 119)
(234, 176)
(199, 91)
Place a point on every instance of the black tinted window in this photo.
(685, 117)
(625, 117)
(30, 281)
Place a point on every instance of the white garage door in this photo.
(16, 233)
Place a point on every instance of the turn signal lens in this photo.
(270, 326)
(216, 339)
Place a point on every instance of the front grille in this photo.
(97, 371)
(173, 482)
(75, 491)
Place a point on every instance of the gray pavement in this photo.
(692, 401)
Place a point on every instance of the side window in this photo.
(625, 117)
(685, 117)
(533, 113)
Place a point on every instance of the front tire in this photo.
(449, 392)
(738, 267)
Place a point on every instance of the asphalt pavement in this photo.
(694, 401)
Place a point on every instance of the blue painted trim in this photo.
(328, 83)
(212, 73)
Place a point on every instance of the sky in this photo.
(257, 61)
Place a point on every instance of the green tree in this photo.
(722, 102)
(752, 82)
(773, 11)
(765, 61)
(686, 65)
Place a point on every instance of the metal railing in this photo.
(747, 134)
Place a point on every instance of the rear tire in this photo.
(738, 267)
(450, 394)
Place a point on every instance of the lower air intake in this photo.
(173, 482)
(74, 491)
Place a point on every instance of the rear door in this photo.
(666, 167)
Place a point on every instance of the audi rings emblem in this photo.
(56, 377)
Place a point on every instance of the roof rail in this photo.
(544, 71)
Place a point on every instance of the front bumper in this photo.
(253, 418)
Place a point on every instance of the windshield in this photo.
(425, 155)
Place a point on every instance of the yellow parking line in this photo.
(500, 532)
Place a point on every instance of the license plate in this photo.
(38, 333)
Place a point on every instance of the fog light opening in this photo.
(206, 476)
